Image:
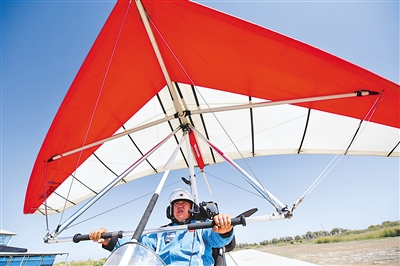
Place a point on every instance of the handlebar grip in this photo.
(234, 221)
(78, 237)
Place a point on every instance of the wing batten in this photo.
(252, 129)
(394, 148)
(64, 198)
(106, 166)
(141, 153)
(354, 137)
(305, 131)
(86, 186)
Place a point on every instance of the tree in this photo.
(309, 235)
(288, 239)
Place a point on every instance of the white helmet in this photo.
(180, 194)
(176, 195)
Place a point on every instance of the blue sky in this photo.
(43, 44)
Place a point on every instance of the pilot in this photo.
(188, 247)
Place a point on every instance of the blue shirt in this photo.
(184, 247)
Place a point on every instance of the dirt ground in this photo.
(366, 252)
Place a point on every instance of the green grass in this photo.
(370, 233)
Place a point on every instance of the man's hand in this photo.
(222, 223)
(96, 236)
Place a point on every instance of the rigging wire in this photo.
(322, 175)
(96, 104)
(232, 184)
(119, 206)
(337, 159)
(367, 118)
(219, 122)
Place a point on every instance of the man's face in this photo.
(181, 210)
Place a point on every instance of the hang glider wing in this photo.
(214, 60)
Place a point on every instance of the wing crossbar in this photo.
(85, 207)
(214, 110)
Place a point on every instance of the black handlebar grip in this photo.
(235, 221)
(78, 237)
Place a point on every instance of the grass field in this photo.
(370, 233)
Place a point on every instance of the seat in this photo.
(219, 253)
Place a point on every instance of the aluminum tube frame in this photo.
(148, 211)
(263, 192)
(126, 132)
(170, 85)
(213, 110)
(169, 166)
(84, 208)
(281, 102)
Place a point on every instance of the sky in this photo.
(43, 44)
